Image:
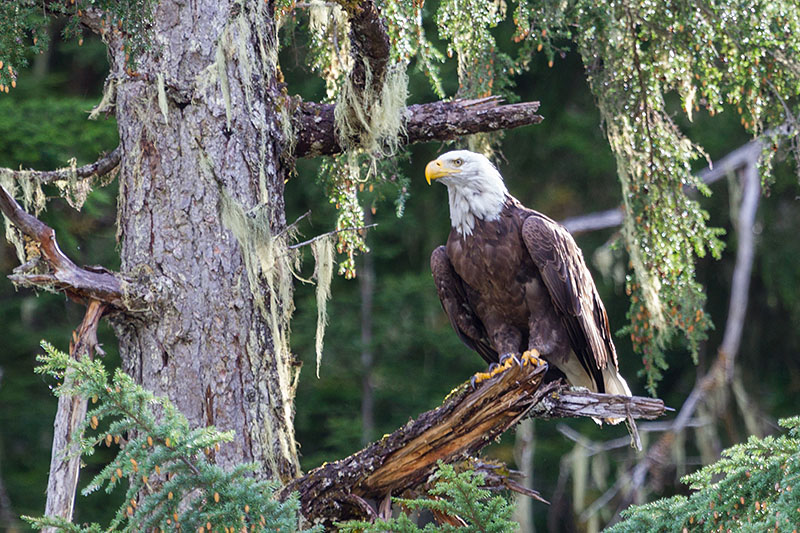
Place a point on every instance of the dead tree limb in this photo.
(103, 166)
(51, 269)
(435, 121)
(65, 459)
(467, 421)
(721, 371)
(611, 218)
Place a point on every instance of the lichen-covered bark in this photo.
(199, 135)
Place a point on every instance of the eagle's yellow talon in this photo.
(482, 376)
(531, 356)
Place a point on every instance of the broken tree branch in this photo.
(467, 421)
(435, 121)
(105, 165)
(65, 461)
(60, 273)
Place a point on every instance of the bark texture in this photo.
(201, 203)
(435, 121)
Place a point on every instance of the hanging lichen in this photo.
(482, 69)
(269, 264)
(322, 249)
(634, 55)
(13, 235)
(371, 120)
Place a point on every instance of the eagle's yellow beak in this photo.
(436, 169)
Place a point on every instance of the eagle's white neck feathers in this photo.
(477, 191)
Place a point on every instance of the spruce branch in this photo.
(172, 479)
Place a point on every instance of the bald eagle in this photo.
(511, 279)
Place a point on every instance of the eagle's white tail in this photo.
(615, 384)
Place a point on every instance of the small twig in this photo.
(330, 233)
(294, 224)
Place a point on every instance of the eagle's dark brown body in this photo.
(520, 282)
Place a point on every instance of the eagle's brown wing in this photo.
(454, 301)
(573, 293)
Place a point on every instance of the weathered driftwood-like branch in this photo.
(53, 269)
(466, 422)
(105, 165)
(745, 161)
(436, 121)
(65, 460)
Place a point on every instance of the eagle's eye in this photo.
(458, 162)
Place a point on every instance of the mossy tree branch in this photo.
(467, 421)
(435, 121)
(105, 165)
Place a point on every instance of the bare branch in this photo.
(334, 232)
(53, 269)
(611, 218)
(744, 159)
(468, 420)
(105, 165)
(65, 460)
(436, 121)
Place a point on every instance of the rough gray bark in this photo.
(201, 194)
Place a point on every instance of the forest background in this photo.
(389, 350)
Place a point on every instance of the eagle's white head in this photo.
(474, 186)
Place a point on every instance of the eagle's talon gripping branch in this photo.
(478, 378)
(506, 360)
(531, 357)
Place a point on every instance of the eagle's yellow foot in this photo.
(531, 357)
(479, 377)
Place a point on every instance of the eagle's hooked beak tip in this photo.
(435, 170)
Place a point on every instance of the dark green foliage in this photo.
(22, 31)
(453, 494)
(753, 488)
(711, 54)
(44, 133)
(171, 480)
(23, 28)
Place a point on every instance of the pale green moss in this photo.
(322, 250)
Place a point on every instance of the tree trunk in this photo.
(201, 211)
(366, 285)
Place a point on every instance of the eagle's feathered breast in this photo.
(502, 284)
